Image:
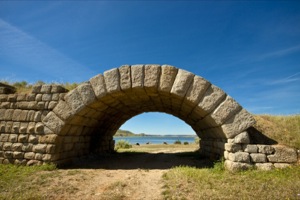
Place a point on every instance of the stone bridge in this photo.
(52, 125)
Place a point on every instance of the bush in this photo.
(186, 143)
(177, 142)
(123, 144)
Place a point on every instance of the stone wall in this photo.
(53, 125)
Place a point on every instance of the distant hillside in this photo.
(125, 133)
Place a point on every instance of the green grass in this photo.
(123, 144)
(283, 129)
(216, 183)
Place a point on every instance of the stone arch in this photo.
(86, 119)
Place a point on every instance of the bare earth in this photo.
(121, 176)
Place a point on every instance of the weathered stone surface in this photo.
(87, 93)
(112, 80)
(250, 148)
(98, 84)
(137, 76)
(232, 147)
(152, 76)
(182, 83)
(58, 89)
(167, 78)
(283, 155)
(264, 166)
(267, 149)
(63, 110)
(40, 148)
(74, 100)
(242, 138)
(238, 123)
(281, 165)
(258, 157)
(125, 77)
(46, 88)
(212, 98)
(239, 157)
(236, 166)
(53, 122)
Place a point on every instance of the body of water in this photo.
(156, 139)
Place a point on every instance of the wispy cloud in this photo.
(279, 53)
(32, 54)
(289, 79)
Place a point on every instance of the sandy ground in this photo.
(121, 176)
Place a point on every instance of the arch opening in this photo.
(88, 116)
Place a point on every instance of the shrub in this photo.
(123, 144)
(186, 143)
(177, 142)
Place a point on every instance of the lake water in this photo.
(156, 139)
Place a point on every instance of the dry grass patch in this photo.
(284, 129)
(215, 183)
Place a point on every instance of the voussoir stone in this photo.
(182, 83)
(74, 100)
(137, 76)
(238, 123)
(167, 78)
(87, 93)
(125, 77)
(53, 122)
(151, 80)
(112, 80)
(98, 85)
(242, 138)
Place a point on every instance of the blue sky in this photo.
(250, 49)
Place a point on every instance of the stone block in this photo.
(267, 149)
(46, 97)
(182, 83)
(98, 85)
(212, 98)
(40, 148)
(37, 116)
(31, 97)
(250, 148)
(46, 89)
(264, 166)
(167, 78)
(125, 77)
(4, 137)
(52, 105)
(16, 115)
(58, 89)
(74, 100)
(236, 166)
(38, 156)
(31, 127)
(33, 139)
(38, 97)
(29, 155)
(36, 89)
(281, 165)
(152, 76)
(87, 93)
(63, 110)
(242, 138)
(239, 157)
(137, 76)
(8, 127)
(8, 114)
(23, 138)
(18, 155)
(48, 139)
(238, 123)
(283, 155)
(112, 80)
(41, 105)
(197, 89)
(55, 97)
(13, 138)
(39, 128)
(16, 147)
(258, 157)
(53, 122)
(27, 147)
(6, 146)
(23, 127)
(232, 147)
(8, 154)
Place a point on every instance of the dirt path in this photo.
(134, 176)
